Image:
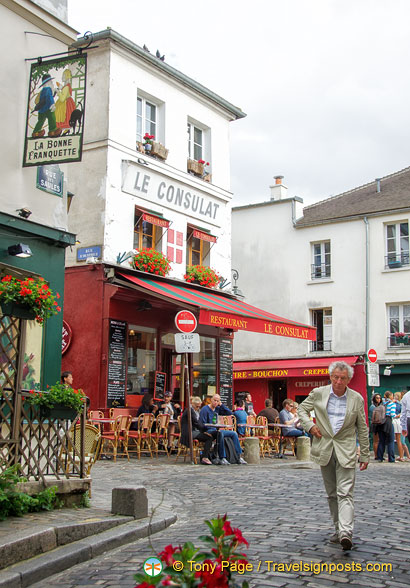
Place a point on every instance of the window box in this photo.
(195, 167)
(156, 149)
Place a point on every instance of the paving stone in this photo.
(282, 511)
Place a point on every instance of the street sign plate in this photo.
(185, 321)
(372, 355)
(187, 343)
(373, 378)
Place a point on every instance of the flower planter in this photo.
(18, 310)
(159, 150)
(195, 167)
(148, 147)
(58, 411)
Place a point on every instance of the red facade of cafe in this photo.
(121, 324)
(291, 378)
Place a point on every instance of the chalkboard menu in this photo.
(159, 385)
(225, 371)
(117, 358)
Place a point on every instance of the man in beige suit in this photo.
(340, 416)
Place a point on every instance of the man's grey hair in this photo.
(343, 366)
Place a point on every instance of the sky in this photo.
(324, 83)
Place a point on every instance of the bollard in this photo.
(303, 449)
(251, 450)
(130, 502)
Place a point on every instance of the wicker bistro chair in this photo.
(265, 440)
(96, 414)
(160, 436)
(230, 421)
(250, 420)
(117, 437)
(92, 443)
(141, 438)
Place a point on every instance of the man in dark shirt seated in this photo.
(270, 413)
(199, 431)
(209, 415)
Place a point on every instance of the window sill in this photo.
(398, 350)
(320, 281)
(390, 270)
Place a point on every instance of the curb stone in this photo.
(42, 566)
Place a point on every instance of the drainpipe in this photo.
(366, 222)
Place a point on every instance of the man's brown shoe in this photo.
(346, 542)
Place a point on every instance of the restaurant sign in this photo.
(283, 373)
(256, 325)
(55, 111)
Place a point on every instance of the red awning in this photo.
(203, 236)
(223, 310)
(282, 368)
(153, 218)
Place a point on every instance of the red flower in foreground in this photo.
(167, 555)
(239, 537)
(227, 528)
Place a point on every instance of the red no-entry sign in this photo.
(185, 321)
(372, 355)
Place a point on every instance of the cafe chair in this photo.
(265, 440)
(230, 421)
(96, 414)
(141, 438)
(250, 420)
(160, 436)
(92, 444)
(117, 438)
(290, 444)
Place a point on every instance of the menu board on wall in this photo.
(117, 358)
(159, 385)
(225, 371)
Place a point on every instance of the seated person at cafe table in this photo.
(199, 431)
(241, 417)
(288, 418)
(209, 415)
(270, 413)
(147, 406)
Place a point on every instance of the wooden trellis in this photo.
(44, 447)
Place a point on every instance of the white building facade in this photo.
(342, 267)
(130, 93)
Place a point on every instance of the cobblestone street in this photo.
(281, 510)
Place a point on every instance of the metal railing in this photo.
(320, 271)
(395, 260)
(320, 346)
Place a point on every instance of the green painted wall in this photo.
(48, 259)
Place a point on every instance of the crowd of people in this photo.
(387, 427)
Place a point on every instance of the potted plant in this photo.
(402, 338)
(58, 401)
(148, 142)
(186, 566)
(30, 298)
(203, 275)
(152, 261)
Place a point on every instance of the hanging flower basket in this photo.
(18, 310)
(58, 401)
(152, 261)
(31, 297)
(200, 274)
(59, 411)
(159, 150)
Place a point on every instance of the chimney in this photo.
(278, 190)
(377, 184)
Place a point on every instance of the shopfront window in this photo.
(142, 359)
(204, 368)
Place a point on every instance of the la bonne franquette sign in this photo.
(170, 194)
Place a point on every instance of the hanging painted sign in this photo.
(55, 111)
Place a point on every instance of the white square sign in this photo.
(187, 343)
